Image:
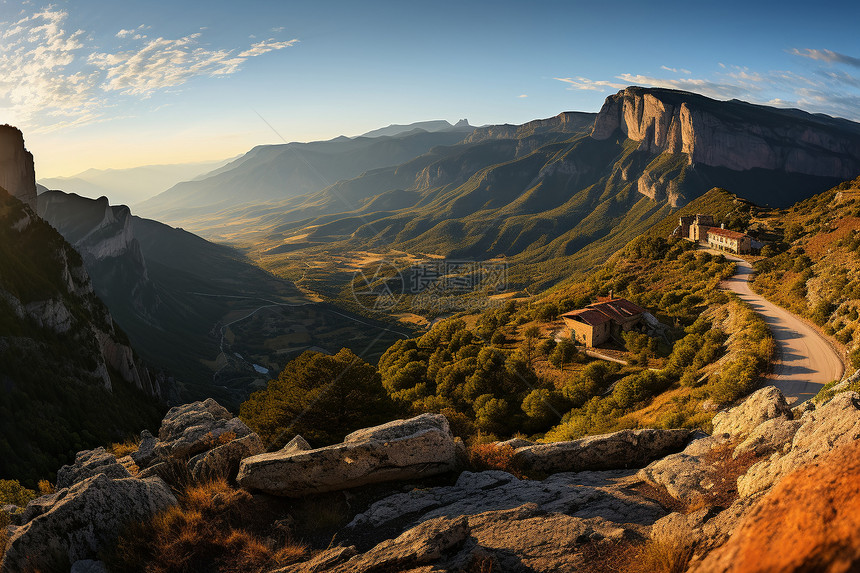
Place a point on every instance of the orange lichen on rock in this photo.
(809, 522)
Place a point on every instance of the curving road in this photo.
(805, 361)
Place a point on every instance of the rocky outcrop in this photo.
(687, 474)
(88, 464)
(78, 522)
(17, 174)
(584, 494)
(770, 436)
(403, 449)
(758, 407)
(832, 425)
(734, 134)
(204, 436)
(622, 449)
(809, 522)
(513, 524)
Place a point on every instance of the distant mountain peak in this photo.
(431, 126)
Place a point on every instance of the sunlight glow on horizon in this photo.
(94, 84)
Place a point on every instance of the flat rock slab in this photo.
(403, 449)
(619, 450)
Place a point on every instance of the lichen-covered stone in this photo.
(619, 450)
(78, 522)
(89, 463)
(403, 449)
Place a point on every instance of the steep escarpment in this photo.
(17, 175)
(68, 376)
(735, 135)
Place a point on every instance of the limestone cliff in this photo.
(734, 134)
(17, 174)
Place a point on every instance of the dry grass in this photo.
(659, 557)
(484, 457)
(608, 556)
(124, 448)
(206, 532)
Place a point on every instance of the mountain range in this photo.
(129, 186)
(549, 196)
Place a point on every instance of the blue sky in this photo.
(98, 83)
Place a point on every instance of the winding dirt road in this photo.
(805, 361)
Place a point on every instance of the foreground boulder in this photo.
(760, 406)
(809, 522)
(619, 450)
(493, 521)
(78, 522)
(207, 439)
(89, 463)
(834, 424)
(402, 449)
(687, 474)
(193, 428)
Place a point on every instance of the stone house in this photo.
(726, 240)
(694, 227)
(600, 321)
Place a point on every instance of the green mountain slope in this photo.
(552, 199)
(201, 311)
(68, 378)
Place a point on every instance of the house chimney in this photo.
(610, 294)
(722, 225)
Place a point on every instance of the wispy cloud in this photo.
(827, 56)
(823, 91)
(52, 76)
(523, 96)
(581, 83)
(676, 70)
(267, 46)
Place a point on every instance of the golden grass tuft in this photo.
(207, 531)
(658, 557)
(124, 448)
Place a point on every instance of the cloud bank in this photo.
(53, 77)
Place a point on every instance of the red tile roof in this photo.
(726, 233)
(617, 309)
(588, 316)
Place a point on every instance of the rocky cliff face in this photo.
(104, 236)
(17, 174)
(735, 135)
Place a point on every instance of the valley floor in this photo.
(806, 361)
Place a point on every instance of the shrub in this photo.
(483, 457)
(321, 397)
(564, 353)
(13, 493)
